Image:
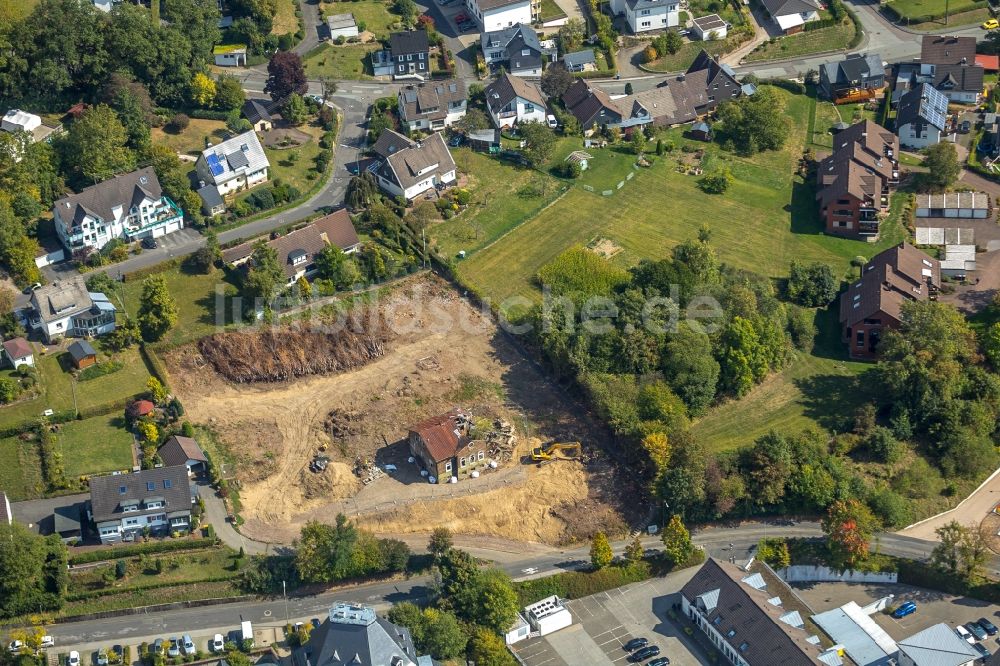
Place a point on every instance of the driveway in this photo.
(217, 516)
(315, 29)
(969, 511)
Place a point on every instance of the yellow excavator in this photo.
(567, 450)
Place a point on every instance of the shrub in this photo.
(178, 123)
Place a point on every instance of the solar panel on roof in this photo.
(214, 165)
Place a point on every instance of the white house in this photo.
(646, 15)
(709, 27)
(432, 105)
(18, 352)
(341, 25)
(511, 99)
(104, 5)
(230, 55)
(16, 120)
(921, 117)
(128, 207)
(159, 499)
(937, 645)
(408, 168)
(66, 308)
(235, 164)
(499, 14)
(792, 15)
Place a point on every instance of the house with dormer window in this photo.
(128, 207)
(235, 164)
(124, 505)
(432, 105)
(409, 168)
(511, 100)
(516, 48)
(66, 309)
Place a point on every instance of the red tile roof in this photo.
(990, 63)
(141, 408)
(17, 348)
(443, 435)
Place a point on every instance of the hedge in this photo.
(154, 365)
(919, 574)
(97, 594)
(109, 407)
(152, 270)
(819, 25)
(148, 548)
(576, 584)
(793, 87)
(201, 114)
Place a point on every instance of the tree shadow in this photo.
(803, 208)
(831, 400)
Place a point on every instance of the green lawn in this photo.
(196, 296)
(340, 62)
(971, 17)
(191, 141)
(184, 567)
(58, 392)
(374, 14)
(550, 10)
(608, 167)
(20, 469)
(805, 43)
(920, 8)
(297, 173)
(826, 116)
(502, 197)
(681, 60)
(285, 20)
(99, 444)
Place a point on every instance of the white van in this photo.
(247, 631)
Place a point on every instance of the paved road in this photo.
(314, 27)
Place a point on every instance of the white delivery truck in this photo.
(247, 631)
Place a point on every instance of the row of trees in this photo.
(33, 574)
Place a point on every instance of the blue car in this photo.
(904, 610)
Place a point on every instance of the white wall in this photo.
(801, 573)
(930, 136)
(502, 17)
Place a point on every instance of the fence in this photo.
(803, 573)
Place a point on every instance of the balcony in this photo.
(506, 114)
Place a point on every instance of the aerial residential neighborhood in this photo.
(499, 332)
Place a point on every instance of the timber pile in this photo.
(279, 354)
(502, 441)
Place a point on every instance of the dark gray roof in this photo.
(237, 160)
(785, 7)
(922, 104)
(709, 23)
(503, 38)
(959, 78)
(430, 99)
(411, 41)
(98, 200)
(390, 142)
(256, 110)
(407, 167)
(507, 87)
(855, 67)
(210, 196)
(357, 637)
(107, 493)
(580, 58)
(81, 349)
(947, 50)
(178, 450)
(67, 518)
(637, 5)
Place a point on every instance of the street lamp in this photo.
(285, 595)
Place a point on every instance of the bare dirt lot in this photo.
(442, 354)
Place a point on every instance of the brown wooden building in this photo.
(874, 302)
(444, 447)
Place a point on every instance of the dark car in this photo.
(456, 141)
(981, 649)
(315, 622)
(645, 653)
(149, 243)
(976, 631)
(965, 127)
(990, 628)
(119, 652)
(636, 643)
(659, 661)
(157, 646)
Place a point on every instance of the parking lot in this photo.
(932, 607)
(603, 623)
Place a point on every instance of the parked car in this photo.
(964, 634)
(684, 33)
(904, 609)
(551, 121)
(991, 24)
(157, 647)
(645, 653)
(976, 630)
(316, 98)
(636, 643)
(102, 657)
(73, 659)
(982, 650)
(217, 644)
(15, 646)
(659, 661)
(174, 649)
(315, 622)
(149, 243)
(965, 127)
(990, 628)
(188, 644)
(48, 641)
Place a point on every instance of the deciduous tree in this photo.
(961, 550)
(203, 90)
(229, 93)
(942, 165)
(812, 285)
(677, 545)
(541, 141)
(286, 75)
(556, 79)
(755, 122)
(601, 554)
(487, 649)
(849, 526)
(440, 542)
(634, 551)
(571, 35)
(96, 147)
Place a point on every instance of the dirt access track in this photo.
(443, 354)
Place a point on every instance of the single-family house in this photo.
(646, 15)
(858, 76)
(499, 14)
(921, 117)
(230, 55)
(444, 447)
(580, 61)
(341, 25)
(411, 54)
(516, 48)
(180, 450)
(752, 616)
(297, 249)
(949, 64)
(873, 303)
(938, 645)
(707, 28)
(129, 207)
(409, 168)
(16, 120)
(83, 354)
(235, 164)
(511, 100)
(704, 86)
(432, 105)
(66, 308)
(351, 635)
(159, 499)
(963, 205)
(18, 352)
(258, 112)
(791, 15)
(855, 181)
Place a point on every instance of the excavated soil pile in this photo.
(283, 353)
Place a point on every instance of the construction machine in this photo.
(568, 450)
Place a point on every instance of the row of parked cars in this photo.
(16, 647)
(639, 649)
(973, 632)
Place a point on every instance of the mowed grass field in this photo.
(285, 20)
(20, 469)
(339, 62)
(191, 141)
(804, 43)
(918, 8)
(99, 444)
(764, 221)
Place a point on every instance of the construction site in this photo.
(320, 423)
